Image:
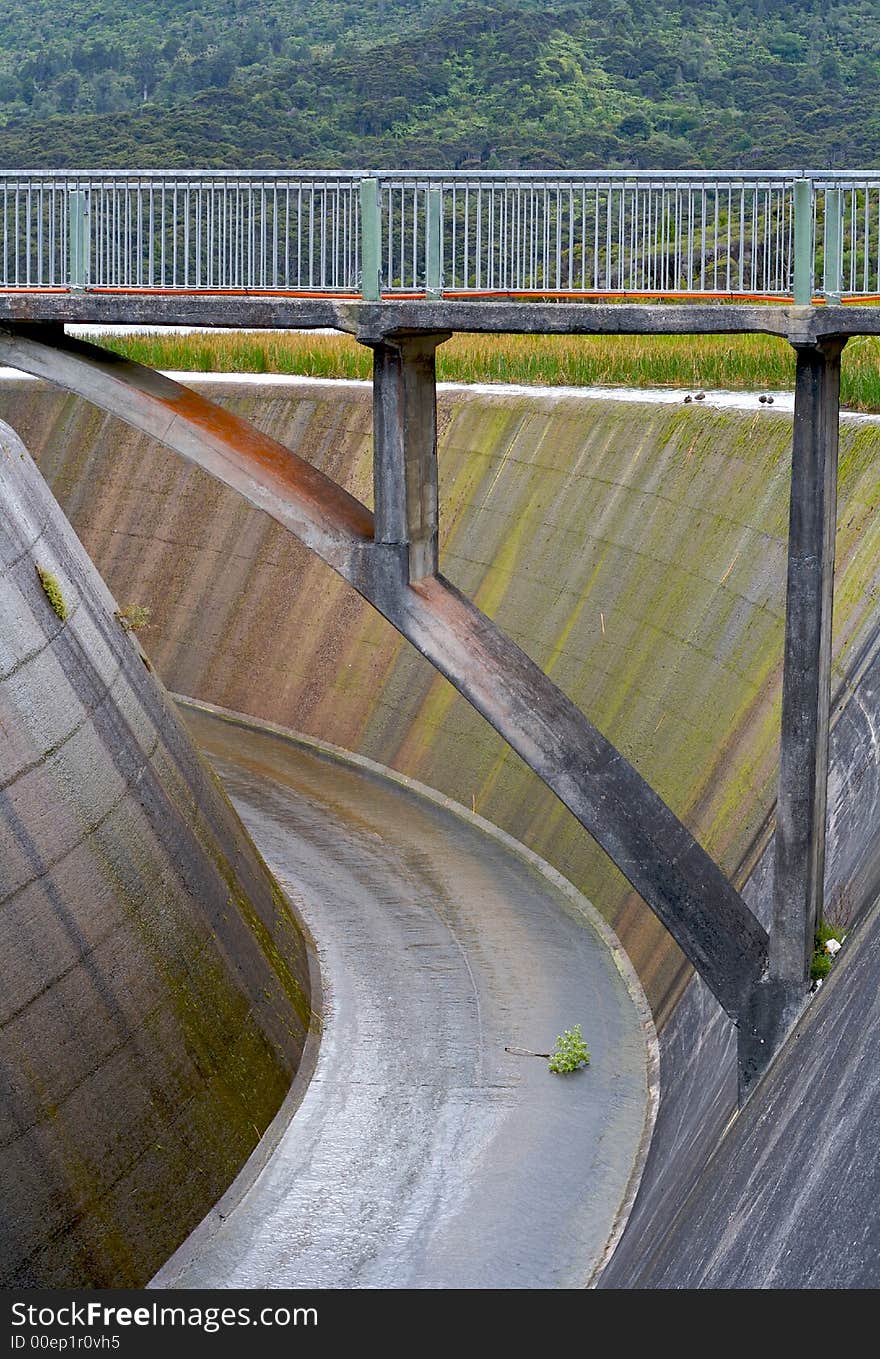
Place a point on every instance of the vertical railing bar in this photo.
(197, 258)
(50, 259)
(415, 234)
(311, 194)
(275, 234)
(299, 240)
(27, 236)
(286, 281)
(151, 238)
(664, 239)
(690, 245)
(490, 236)
(608, 192)
(186, 210)
(40, 205)
(853, 262)
(391, 235)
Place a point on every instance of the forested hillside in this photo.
(457, 83)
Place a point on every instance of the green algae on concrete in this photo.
(52, 589)
(154, 981)
(635, 551)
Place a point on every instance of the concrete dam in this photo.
(637, 553)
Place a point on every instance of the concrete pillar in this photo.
(806, 683)
(405, 447)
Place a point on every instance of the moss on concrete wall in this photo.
(154, 984)
(635, 551)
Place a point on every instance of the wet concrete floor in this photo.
(422, 1155)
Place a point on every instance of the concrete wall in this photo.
(154, 992)
(789, 1198)
(635, 551)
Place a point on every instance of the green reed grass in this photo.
(738, 362)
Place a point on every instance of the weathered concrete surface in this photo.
(661, 616)
(154, 981)
(635, 552)
(422, 1154)
(380, 320)
(799, 872)
(642, 836)
(699, 1043)
(789, 1199)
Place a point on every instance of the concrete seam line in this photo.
(581, 904)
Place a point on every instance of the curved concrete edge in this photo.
(580, 904)
(244, 1180)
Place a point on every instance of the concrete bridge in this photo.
(209, 251)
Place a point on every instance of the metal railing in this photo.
(772, 235)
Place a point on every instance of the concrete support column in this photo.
(405, 447)
(806, 683)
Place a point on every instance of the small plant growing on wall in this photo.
(134, 617)
(826, 946)
(52, 587)
(571, 1052)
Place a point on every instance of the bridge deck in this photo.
(375, 320)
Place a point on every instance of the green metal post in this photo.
(803, 242)
(79, 242)
(833, 246)
(434, 244)
(371, 241)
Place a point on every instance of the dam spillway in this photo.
(679, 532)
(661, 613)
(423, 1154)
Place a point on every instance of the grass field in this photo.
(739, 362)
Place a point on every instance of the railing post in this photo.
(371, 241)
(803, 242)
(833, 285)
(434, 244)
(78, 238)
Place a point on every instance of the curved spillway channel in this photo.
(422, 1154)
